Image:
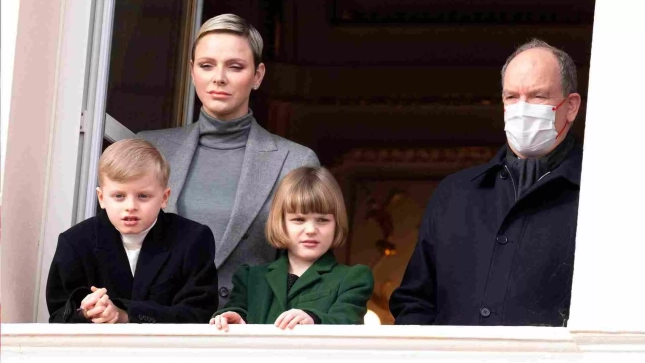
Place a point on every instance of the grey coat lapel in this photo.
(180, 164)
(260, 170)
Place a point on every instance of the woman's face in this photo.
(224, 75)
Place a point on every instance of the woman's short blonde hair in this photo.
(231, 23)
(130, 159)
(306, 190)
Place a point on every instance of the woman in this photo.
(225, 165)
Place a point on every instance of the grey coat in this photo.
(267, 159)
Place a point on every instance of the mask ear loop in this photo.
(555, 109)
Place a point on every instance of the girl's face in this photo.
(224, 75)
(310, 235)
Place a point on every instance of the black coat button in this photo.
(485, 312)
(246, 235)
(503, 174)
(502, 240)
(223, 291)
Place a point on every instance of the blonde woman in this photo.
(225, 166)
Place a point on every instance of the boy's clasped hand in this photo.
(98, 308)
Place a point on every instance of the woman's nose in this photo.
(219, 77)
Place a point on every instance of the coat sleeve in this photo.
(351, 303)
(196, 299)
(414, 301)
(66, 285)
(239, 300)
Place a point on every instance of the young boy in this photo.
(156, 267)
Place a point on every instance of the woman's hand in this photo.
(230, 317)
(291, 318)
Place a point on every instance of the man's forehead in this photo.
(536, 59)
(533, 68)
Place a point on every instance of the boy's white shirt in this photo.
(132, 244)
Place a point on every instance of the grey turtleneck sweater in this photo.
(211, 183)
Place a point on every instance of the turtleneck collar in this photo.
(134, 241)
(224, 135)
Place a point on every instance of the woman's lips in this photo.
(219, 94)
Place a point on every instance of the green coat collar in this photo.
(278, 270)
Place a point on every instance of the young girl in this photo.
(306, 285)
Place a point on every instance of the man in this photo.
(497, 241)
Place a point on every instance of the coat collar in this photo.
(180, 163)
(261, 168)
(278, 270)
(154, 252)
(569, 169)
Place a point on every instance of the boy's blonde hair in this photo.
(306, 190)
(131, 159)
(231, 23)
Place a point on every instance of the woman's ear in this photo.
(259, 75)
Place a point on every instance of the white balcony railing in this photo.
(92, 343)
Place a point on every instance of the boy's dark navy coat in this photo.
(175, 279)
(484, 258)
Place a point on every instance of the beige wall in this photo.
(28, 147)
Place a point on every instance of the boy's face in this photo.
(133, 206)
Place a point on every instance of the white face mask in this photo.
(530, 128)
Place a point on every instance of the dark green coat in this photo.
(336, 293)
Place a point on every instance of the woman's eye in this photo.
(205, 66)
(323, 220)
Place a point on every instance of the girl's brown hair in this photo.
(306, 190)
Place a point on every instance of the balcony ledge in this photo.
(40, 342)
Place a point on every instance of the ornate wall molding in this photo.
(431, 162)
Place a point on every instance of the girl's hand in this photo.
(291, 318)
(230, 317)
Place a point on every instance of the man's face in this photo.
(533, 76)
